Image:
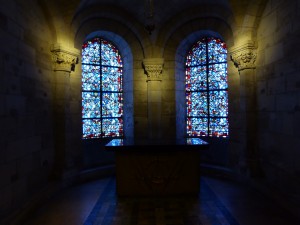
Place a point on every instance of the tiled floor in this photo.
(220, 202)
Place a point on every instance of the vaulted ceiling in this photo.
(162, 9)
(63, 16)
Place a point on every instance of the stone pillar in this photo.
(153, 68)
(64, 61)
(244, 58)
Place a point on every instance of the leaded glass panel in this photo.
(206, 88)
(217, 78)
(112, 127)
(91, 105)
(218, 127)
(90, 78)
(111, 105)
(196, 78)
(217, 51)
(110, 55)
(197, 126)
(198, 104)
(91, 128)
(218, 103)
(197, 55)
(102, 97)
(90, 52)
(111, 79)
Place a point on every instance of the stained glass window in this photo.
(207, 89)
(102, 93)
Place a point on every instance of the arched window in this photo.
(207, 89)
(102, 92)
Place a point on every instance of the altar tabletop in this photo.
(157, 167)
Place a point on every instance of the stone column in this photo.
(244, 58)
(64, 61)
(153, 68)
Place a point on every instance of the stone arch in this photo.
(187, 33)
(214, 17)
(178, 43)
(218, 153)
(252, 18)
(127, 58)
(132, 52)
(112, 19)
(109, 26)
(49, 18)
(180, 55)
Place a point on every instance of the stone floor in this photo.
(220, 202)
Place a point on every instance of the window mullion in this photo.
(100, 88)
(207, 86)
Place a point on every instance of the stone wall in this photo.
(26, 143)
(278, 94)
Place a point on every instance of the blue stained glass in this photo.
(198, 104)
(112, 127)
(111, 79)
(91, 128)
(197, 127)
(217, 51)
(218, 127)
(110, 54)
(218, 103)
(111, 105)
(197, 55)
(102, 97)
(206, 89)
(90, 52)
(90, 105)
(90, 78)
(217, 77)
(196, 78)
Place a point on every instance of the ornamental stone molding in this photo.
(153, 68)
(64, 59)
(244, 56)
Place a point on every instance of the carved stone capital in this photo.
(64, 59)
(153, 68)
(244, 56)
